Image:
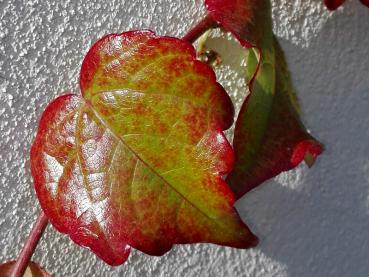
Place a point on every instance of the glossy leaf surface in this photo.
(33, 270)
(138, 160)
(269, 137)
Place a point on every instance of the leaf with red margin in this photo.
(138, 160)
(285, 144)
(33, 270)
(269, 138)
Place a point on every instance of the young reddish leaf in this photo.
(242, 18)
(365, 2)
(333, 4)
(285, 144)
(33, 270)
(269, 138)
(139, 160)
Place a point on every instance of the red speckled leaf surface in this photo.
(33, 270)
(138, 160)
(269, 137)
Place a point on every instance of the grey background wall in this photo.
(311, 222)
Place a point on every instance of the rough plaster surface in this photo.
(311, 222)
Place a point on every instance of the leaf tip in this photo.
(308, 151)
(254, 241)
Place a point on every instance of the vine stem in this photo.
(205, 24)
(30, 246)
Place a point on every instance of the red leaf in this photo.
(365, 2)
(239, 17)
(333, 4)
(269, 137)
(33, 270)
(139, 160)
(285, 144)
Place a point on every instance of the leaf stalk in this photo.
(200, 28)
(30, 246)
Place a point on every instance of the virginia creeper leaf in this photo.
(365, 2)
(138, 160)
(269, 137)
(247, 20)
(33, 270)
(286, 142)
(334, 4)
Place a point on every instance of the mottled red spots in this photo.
(175, 67)
(196, 120)
(162, 128)
(140, 153)
(103, 82)
(139, 108)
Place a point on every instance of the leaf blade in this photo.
(120, 163)
(333, 4)
(250, 22)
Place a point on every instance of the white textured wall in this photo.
(311, 222)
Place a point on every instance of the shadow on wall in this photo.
(316, 222)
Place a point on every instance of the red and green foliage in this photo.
(269, 137)
(138, 160)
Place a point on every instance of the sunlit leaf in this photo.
(139, 160)
(269, 137)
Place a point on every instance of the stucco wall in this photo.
(311, 222)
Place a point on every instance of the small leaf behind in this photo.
(269, 137)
